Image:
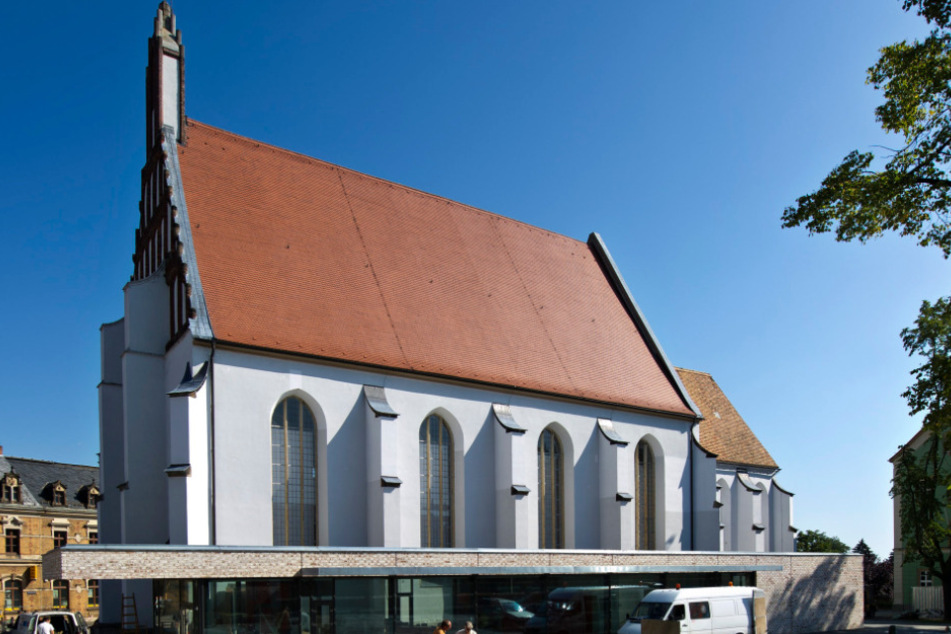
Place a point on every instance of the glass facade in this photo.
(496, 604)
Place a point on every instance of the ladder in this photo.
(130, 617)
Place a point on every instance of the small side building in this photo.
(753, 513)
(45, 505)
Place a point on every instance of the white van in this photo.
(729, 610)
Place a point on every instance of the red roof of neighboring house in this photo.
(298, 255)
(722, 430)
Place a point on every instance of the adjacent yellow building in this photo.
(45, 505)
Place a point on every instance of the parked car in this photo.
(502, 615)
(63, 622)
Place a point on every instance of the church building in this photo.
(338, 403)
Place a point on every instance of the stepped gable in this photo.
(299, 255)
(722, 430)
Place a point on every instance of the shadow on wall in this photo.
(820, 601)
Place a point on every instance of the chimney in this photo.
(165, 80)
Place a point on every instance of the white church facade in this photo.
(384, 386)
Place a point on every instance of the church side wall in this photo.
(248, 387)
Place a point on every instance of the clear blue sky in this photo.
(678, 131)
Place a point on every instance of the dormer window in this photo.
(90, 495)
(55, 492)
(10, 490)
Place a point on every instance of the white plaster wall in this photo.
(170, 85)
(706, 521)
(781, 537)
(144, 503)
(771, 507)
(111, 433)
(726, 518)
(248, 387)
(111, 456)
(187, 429)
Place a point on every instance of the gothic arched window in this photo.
(551, 499)
(294, 474)
(645, 486)
(435, 483)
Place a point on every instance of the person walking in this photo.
(467, 629)
(443, 628)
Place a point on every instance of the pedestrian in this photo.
(443, 628)
(467, 629)
(45, 626)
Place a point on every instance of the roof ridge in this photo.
(680, 369)
(407, 188)
(65, 464)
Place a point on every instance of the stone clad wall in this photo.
(806, 592)
(814, 593)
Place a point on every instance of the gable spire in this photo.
(165, 79)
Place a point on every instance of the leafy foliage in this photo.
(911, 194)
(937, 11)
(930, 339)
(922, 478)
(813, 541)
(923, 475)
(878, 576)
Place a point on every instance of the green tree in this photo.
(878, 578)
(908, 191)
(818, 542)
(922, 478)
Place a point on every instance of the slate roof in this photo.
(722, 430)
(299, 255)
(35, 475)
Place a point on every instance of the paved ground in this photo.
(881, 626)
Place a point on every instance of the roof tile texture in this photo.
(722, 430)
(303, 256)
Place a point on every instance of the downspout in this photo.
(212, 526)
(693, 501)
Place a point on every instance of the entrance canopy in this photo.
(244, 562)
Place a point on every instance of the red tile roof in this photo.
(722, 430)
(298, 255)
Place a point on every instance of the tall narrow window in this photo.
(551, 525)
(435, 483)
(12, 595)
(294, 474)
(11, 541)
(645, 486)
(61, 594)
